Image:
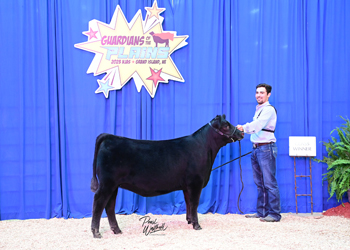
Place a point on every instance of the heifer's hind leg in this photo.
(188, 206)
(194, 195)
(110, 210)
(101, 198)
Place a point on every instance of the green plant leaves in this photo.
(338, 161)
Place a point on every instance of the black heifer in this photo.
(151, 168)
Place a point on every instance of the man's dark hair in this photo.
(266, 86)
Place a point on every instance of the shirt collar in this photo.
(263, 105)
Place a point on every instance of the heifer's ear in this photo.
(224, 116)
(216, 122)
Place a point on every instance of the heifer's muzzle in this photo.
(229, 136)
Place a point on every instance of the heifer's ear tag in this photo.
(224, 116)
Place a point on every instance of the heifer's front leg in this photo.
(194, 195)
(101, 198)
(188, 206)
(110, 210)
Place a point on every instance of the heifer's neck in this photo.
(210, 141)
(214, 140)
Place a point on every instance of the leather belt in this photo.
(256, 145)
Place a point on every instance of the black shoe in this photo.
(252, 216)
(268, 219)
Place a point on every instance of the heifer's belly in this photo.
(148, 192)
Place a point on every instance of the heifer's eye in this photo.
(227, 127)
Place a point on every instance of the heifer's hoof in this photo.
(189, 222)
(96, 233)
(196, 227)
(116, 230)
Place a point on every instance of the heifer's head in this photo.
(226, 129)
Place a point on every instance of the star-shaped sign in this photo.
(155, 77)
(91, 34)
(155, 11)
(127, 50)
(104, 87)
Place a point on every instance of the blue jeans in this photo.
(264, 173)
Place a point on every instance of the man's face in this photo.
(261, 95)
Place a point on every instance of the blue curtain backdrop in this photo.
(50, 115)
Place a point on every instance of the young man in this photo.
(264, 156)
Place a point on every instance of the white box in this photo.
(302, 146)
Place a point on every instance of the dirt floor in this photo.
(229, 231)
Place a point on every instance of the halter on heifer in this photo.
(220, 133)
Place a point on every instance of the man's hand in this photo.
(240, 127)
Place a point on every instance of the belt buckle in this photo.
(255, 145)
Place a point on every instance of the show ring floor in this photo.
(229, 231)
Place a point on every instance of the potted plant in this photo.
(338, 161)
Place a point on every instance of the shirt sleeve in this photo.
(258, 124)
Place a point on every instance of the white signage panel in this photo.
(302, 146)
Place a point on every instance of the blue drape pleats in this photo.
(50, 115)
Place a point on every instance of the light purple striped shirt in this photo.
(266, 120)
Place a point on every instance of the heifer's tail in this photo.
(94, 182)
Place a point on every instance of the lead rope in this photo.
(233, 159)
(240, 167)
